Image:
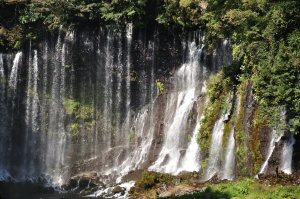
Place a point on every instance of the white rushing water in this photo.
(1, 67)
(142, 135)
(275, 137)
(228, 170)
(129, 33)
(55, 155)
(141, 128)
(192, 157)
(32, 111)
(126, 126)
(107, 192)
(3, 173)
(287, 155)
(213, 166)
(179, 105)
(14, 71)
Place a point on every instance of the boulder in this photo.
(118, 189)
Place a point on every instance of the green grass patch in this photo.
(246, 189)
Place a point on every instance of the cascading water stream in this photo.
(32, 112)
(192, 157)
(131, 125)
(142, 126)
(14, 71)
(3, 172)
(179, 106)
(228, 171)
(1, 67)
(229, 165)
(275, 137)
(129, 32)
(213, 167)
(287, 155)
(108, 88)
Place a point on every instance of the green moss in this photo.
(227, 129)
(240, 134)
(74, 129)
(212, 113)
(204, 164)
(71, 106)
(150, 179)
(160, 86)
(77, 114)
(132, 137)
(258, 124)
(218, 91)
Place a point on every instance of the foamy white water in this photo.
(228, 171)
(287, 155)
(14, 71)
(213, 167)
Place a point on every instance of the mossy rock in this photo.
(118, 189)
(2, 30)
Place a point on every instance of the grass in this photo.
(246, 189)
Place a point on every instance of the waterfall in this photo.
(179, 106)
(32, 114)
(287, 155)
(215, 148)
(191, 159)
(55, 155)
(122, 123)
(228, 170)
(3, 174)
(142, 129)
(141, 135)
(14, 71)
(129, 32)
(108, 88)
(1, 67)
(275, 137)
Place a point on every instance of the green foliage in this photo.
(55, 13)
(246, 189)
(80, 115)
(276, 85)
(128, 10)
(150, 179)
(11, 38)
(240, 133)
(71, 106)
(208, 193)
(217, 90)
(216, 86)
(185, 13)
(259, 123)
(74, 129)
(265, 39)
(160, 86)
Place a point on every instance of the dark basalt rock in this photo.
(280, 178)
(84, 183)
